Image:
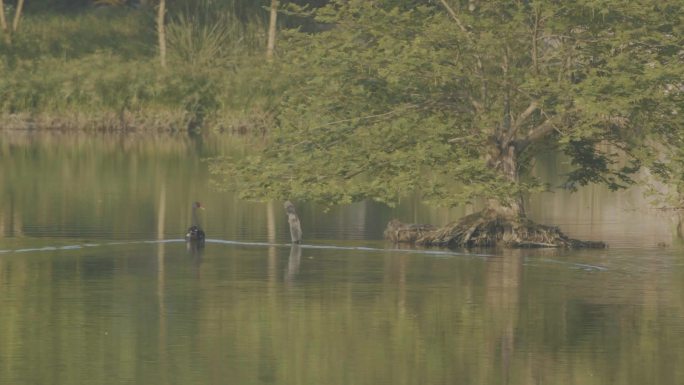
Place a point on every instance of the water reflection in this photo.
(503, 283)
(293, 262)
(352, 316)
(195, 252)
(106, 186)
(106, 291)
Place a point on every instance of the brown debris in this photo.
(485, 229)
(398, 232)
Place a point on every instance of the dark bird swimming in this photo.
(195, 232)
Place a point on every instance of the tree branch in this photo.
(522, 117)
(161, 32)
(368, 117)
(507, 124)
(270, 45)
(480, 67)
(3, 24)
(17, 15)
(483, 87)
(535, 50)
(541, 131)
(518, 123)
(453, 15)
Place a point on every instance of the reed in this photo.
(201, 37)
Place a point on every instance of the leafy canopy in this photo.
(455, 98)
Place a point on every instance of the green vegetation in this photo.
(374, 100)
(97, 68)
(455, 99)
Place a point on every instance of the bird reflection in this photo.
(196, 252)
(194, 238)
(293, 263)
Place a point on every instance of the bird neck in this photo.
(195, 221)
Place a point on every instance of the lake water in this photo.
(97, 286)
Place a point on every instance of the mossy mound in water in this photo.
(485, 229)
(399, 232)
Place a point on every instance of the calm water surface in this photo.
(97, 287)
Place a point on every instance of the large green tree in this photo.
(455, 98)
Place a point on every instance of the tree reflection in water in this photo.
(141, 312)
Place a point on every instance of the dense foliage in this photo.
(372, 99)
(455, 99)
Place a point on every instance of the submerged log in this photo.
(486, 229)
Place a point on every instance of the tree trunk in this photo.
(272, 30)
(161, 32)
(3, 24)
(504, 159)
(499, 223)
(17, 15)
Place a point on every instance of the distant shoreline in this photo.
(153, 122)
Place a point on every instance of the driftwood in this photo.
(293, 220)
(485, 229)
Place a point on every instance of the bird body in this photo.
(293, 220)
(195, 233)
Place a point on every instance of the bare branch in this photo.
(3, 23)
(161, 32)
(518, 123)
(270, 46)
(460, 139)
(525, 114)
(17, 15)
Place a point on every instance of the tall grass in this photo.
(117, 93)
(202, 35)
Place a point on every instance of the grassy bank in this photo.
(98, 70)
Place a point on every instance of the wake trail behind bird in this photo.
(437, 253)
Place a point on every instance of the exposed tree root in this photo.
(485, 229)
